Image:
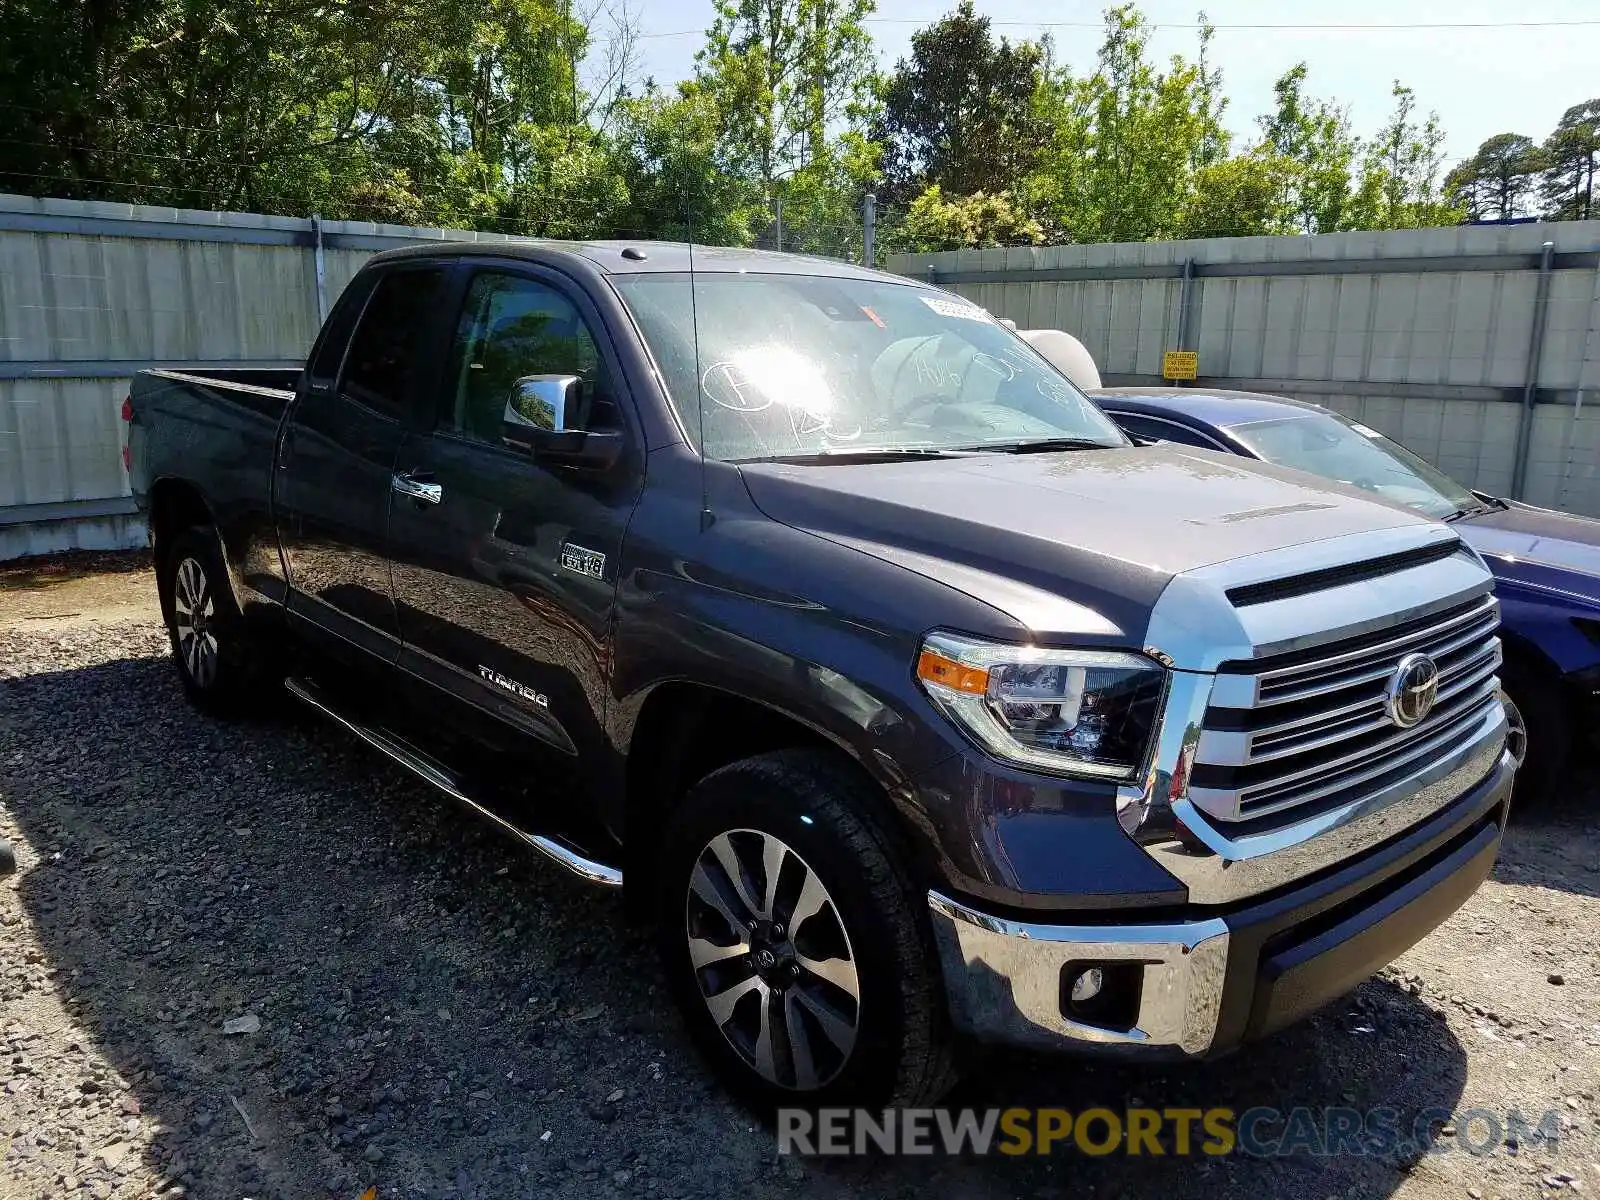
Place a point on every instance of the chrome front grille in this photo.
(1288, 736)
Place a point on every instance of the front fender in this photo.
(1541, 621)
(846, 673)
(827, 635)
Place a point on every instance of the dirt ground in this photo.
(76, 590)
(421, 1008)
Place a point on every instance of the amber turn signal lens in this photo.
(947, 672)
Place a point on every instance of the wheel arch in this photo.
(177, 505)
(685, 730)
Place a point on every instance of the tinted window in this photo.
(1153, 429)
(384, 349)
(1336, 448)
(324, 368)
(511, 327)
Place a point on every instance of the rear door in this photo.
(504, 577)
(338, 454)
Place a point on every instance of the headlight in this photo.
(1069, 712)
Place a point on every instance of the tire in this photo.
(853, 999)
(219, 664)
(1534, 704)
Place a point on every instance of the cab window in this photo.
(511, 327)
(378, 368)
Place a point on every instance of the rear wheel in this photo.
(795, 941)
(218, 662)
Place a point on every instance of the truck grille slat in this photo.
(1450, 632)
(1360, 746)
(1277, 741)
(1365, 767)
(1316, 730)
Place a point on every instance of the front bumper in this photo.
(1214, 978)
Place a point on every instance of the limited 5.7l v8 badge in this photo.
(583, 562)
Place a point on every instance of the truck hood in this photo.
(1538, 546)
(1106, 530)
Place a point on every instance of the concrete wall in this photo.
(91, 293)
(1423, 334)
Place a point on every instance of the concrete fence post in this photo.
(1530, 385)
(322, 267)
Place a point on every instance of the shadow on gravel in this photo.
(446, 1017)
(1380, 1048)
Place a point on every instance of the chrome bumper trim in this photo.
(1003, 978)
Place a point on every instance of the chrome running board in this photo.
(586, 869)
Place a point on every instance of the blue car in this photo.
(1546, 564)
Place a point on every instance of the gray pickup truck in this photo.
(913, 703)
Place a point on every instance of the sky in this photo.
(1497, 77)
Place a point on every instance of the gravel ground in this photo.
(429, 1011)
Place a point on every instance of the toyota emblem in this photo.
(1411, 690)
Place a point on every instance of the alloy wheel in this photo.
(193, 615)
(772, 959)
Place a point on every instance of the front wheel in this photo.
(795, 943)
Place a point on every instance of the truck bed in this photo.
(214, 432)
(271, 379)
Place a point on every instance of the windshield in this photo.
(1330, 446)
(763, 366)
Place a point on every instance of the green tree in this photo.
(961, 112)
(784, 73)
(1400, 185)
(1572, 156)
(1314, 137)
(388, 109)
(1497, 181)
(679, 184)
(1244, 196)
(1129, 139)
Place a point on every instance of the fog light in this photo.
(1087, 985)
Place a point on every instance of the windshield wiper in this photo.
(877, 454)
(1477, 510)
(1041, 446)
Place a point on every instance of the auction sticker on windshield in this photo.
(955, 308)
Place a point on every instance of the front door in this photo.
(336, 464)
(504, 575)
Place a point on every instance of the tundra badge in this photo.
(515, 688)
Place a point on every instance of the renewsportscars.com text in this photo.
(1257, 1132)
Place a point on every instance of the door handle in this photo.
(422, 493)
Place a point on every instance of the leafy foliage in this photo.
(525, 115)
(1572, 156)
(1497, 181)
(1313, 139)
(977, 221)
(960, 114)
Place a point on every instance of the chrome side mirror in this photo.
(548, 403)
(547, 417)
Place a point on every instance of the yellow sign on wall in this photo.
(1180, 364)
